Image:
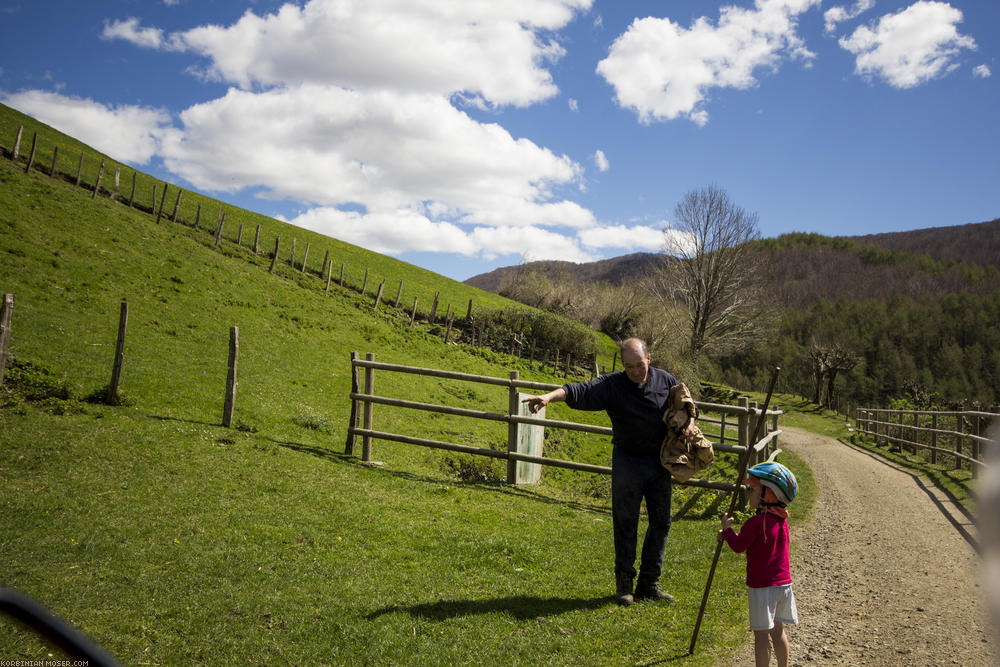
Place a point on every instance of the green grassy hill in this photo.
(170, 539)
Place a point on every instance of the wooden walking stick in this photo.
(732, 504)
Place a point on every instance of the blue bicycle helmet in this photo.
(778, 478)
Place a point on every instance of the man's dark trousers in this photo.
(633, 478)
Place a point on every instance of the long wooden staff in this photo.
(732, 505)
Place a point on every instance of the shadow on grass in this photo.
(522, 607)
(164, 418)
(492, 487)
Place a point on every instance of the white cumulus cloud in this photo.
(130, 31)
(355, 107)
(839, 14)
(982, 71)
(386, 151)
(910, 47)
(125, 132)
(664, 71)
(492, 50)
(601, 160)
(631, 239)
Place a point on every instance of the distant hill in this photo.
(616, 270)
(978, 243)
(808, 267)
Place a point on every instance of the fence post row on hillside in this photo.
(464, 330)
(890, 427)
(366, 400)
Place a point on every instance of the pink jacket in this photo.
(765, 540)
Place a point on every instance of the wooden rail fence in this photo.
(928, 430)
(364, 400)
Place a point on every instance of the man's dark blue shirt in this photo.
(636, 412)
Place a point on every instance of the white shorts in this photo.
(774, 603)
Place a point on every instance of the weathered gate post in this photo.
(366, 441)
(513, 408)
(353, 421)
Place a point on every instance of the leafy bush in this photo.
(470, 468)
(511, 328)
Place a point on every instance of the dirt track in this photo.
(885, 572)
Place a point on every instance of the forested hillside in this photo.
(863, 320)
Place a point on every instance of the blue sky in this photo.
(466, 135)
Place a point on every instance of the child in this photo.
(764, 538)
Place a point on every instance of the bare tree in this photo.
(828, 362)
(718, 277)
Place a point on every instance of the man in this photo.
(635, 400)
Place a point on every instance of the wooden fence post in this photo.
(326, 260)
(79, 170)
(934, 443)
(177, 205)
(239, 235)
(17, 143)
(305, 257)
(976, 447)
(234, 352)
(218, 231)
(118, 181)
(513, 409)
(743, 422)
(959, 429)
(256, 238)
(6, 310)
(468, 312)
(55, 156)
(353, 420)
(447, 331)
(31, 156)
(291, 259)
(131, 197)
(163, 198)
(378, 297)
(197, 217)
(329, 274)
(116, 370)
(413, 313)
(399, 293)
(341, 281)
(434, 307)
(364, 285)
(366, 441)
(97, 185)
(277, 240)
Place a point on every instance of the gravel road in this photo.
(885, 571)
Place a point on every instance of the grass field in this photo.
(170, 539)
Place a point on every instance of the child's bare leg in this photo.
(761, 648)
(780, 640)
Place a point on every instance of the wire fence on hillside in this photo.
(291, 258)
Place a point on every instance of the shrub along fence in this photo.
(928, 430)
(289, 258)
(736, 429)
